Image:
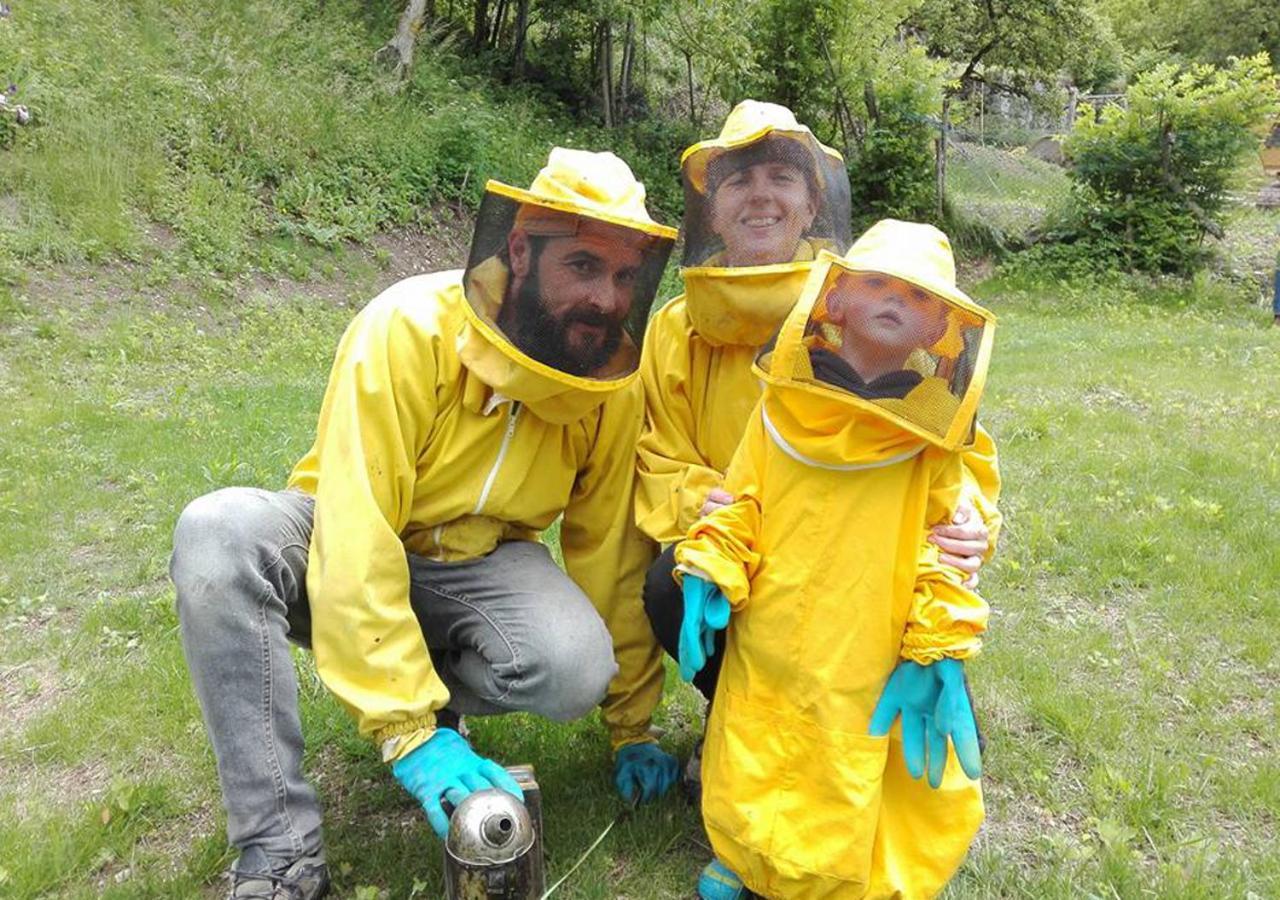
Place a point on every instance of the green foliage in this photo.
(1153, 174)
(1020, 42)
(892, 172)
(249, 122)
(1210, 31)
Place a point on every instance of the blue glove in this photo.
(912, 692)
(953, 718)
(706, 611)
(644, 772)
(446, 767)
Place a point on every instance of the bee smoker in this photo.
(494, 847)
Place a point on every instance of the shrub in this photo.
(1152, 176)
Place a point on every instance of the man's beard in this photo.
(542, 336)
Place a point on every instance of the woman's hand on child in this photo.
(716, 498)
(964, 542)
(706, 611)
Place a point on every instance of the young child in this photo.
(843, 619)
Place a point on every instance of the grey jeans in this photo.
(507, 632)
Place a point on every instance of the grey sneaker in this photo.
(304, 879)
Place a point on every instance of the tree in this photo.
(1196, 30)
(1152, 175)
(1011, 44)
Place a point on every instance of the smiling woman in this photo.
(764, 192)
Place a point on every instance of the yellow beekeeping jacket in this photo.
(433, 440)
(699, 392)
(824, 560)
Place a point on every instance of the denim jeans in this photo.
(507, 632)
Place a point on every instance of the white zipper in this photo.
(799, 457)
(497, 463)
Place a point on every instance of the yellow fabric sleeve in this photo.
(674, 477)
(981, 483)
(723, 544)
(946, 619)
(607, 556)
(377, 409)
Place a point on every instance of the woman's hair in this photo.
(772, 149)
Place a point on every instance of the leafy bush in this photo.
(1151, 177)
(892, 173)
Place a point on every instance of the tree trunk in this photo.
(499, 23)
(605, 57)
(480, 25)
(940, 170)
(397, 53)
(522, 27)
(688, 67)
(628, 62)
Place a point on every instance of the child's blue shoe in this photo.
(717, 883)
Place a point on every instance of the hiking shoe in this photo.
(304, 879)
(691, 778)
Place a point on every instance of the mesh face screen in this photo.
(568, 290)
(893, 343)
(775, 200)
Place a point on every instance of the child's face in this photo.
(886, 312)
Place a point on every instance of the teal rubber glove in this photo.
(644, 772)
(912, 692)
(706, 611)
(446, 767)
(953, 718)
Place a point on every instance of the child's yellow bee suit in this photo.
(824, 561)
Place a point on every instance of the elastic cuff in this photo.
(928, 655)
(625, 737)
(398, 740)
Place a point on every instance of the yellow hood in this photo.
(574, 184)
(745, 305)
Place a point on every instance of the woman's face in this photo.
(760, 212)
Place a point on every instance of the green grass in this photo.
(1128, 691)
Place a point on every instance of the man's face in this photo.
(886, 312)
(760, 213)
(573, 294)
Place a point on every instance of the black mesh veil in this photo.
(569, 290)
(918, 354)
(779, 198)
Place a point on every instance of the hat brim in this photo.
(695, 160)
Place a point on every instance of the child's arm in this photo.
(946, 619)
(721, 547)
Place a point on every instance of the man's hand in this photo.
(964, 542)
(716, 498)
(446, 767)
(644, 772)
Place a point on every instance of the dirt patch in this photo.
(40, 787)
(443, 245)
(27, 690)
